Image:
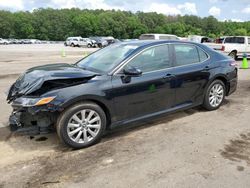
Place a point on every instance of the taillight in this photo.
(233, 64)
(223, 48)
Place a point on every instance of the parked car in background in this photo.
(199, 39)
(26, 41)
(128, 40)
(101, 42)
(91, 43)
(13, 41)
(183, 38)
(158, 37)
(234, 46)
(35, 41)
(117, 85)
(109, 39)
(77, 42)
(4, 41)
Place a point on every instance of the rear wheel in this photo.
(215, 95)
(89, 45)
(81, 125)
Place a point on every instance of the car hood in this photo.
(33, 79)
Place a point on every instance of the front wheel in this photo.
(215, 95)
(233, 55)
(81, 125)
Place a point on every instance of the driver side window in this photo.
(152, 59)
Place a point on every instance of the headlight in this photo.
(45, 100)
(29, 102)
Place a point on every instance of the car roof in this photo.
(234, 36)
(142, 43)
(158, 34)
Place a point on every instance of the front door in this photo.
(153, 91)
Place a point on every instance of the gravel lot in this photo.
(192, 148)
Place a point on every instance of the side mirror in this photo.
(132, 71)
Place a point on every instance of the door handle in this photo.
(207, 68)
(168, 76)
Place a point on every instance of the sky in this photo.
(235, 10)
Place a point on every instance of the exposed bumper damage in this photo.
(25, 123)
(29, 115)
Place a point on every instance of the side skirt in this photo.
(154, 115)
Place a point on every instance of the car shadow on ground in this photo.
(133, 127)
(51, 140)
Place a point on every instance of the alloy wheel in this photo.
(216, 95)
(84, 126)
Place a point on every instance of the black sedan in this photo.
(117, 85)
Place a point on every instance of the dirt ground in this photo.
(192, 148)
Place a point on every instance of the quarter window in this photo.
(155, 58)
(186, 54)
(240, 40)
(202, 54)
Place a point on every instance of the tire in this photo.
(72, 45)
(209, 103)
(66, 125)
(89, 45)
(100, 45)
(233, 54)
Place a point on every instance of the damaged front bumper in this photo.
(33, 119)
(36, 98)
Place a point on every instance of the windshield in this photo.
(107, 58)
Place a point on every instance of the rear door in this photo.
(191, 73)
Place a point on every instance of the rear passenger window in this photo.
(186, 54)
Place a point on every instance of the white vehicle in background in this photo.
(4, 41)
(91, 43)
(77, 42)
(35, 41)
(183, 38)
(199, 39)
(234, 46)
(158, 37)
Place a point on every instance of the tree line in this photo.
(58, 24)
